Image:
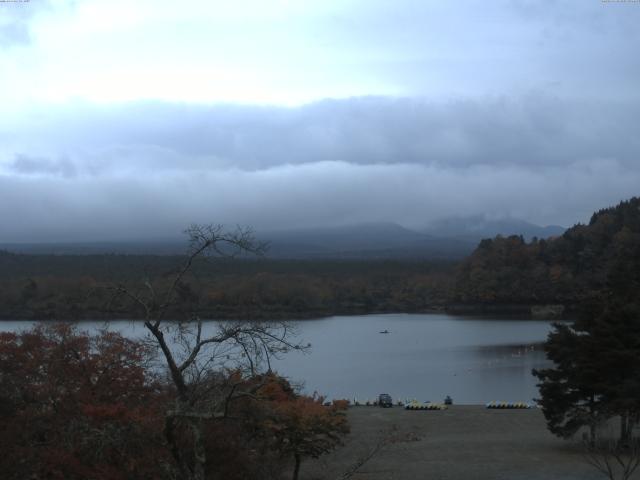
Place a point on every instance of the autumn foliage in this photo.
(72, 287)
(78, 406)
(299, 426)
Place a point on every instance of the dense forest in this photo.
(562, 270)
(503, 273)
(76, 287)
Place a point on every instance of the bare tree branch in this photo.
(196, 360)
(612, 459)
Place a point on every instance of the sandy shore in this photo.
(464, 442)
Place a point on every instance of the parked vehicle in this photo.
(384, 400)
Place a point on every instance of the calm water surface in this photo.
(424, 356)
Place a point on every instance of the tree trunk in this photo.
(172, 441)
(592, 434)
(593, 422)
(199, 450)
(296, 469)
(191, 467)
(625, 429)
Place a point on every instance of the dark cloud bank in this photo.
(149, 169)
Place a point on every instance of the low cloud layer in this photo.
(535, 130)
(150, 169)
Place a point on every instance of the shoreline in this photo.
(523, 312)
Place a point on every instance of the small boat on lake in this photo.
(384, 331)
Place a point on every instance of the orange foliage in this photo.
(301, 425)
(74, 406)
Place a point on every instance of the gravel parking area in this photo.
(463, 442)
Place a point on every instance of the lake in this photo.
(424, 356)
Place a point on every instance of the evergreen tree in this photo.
(597, 359)
(570, 397)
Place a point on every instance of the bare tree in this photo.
(613, 459)
(197, 355)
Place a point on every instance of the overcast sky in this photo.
(129, 119)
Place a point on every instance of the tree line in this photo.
(565, 270)
(77, 287)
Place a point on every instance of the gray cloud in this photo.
(149, 169)
(323, 193)
(533, 131)
(505, 46)
(24, 164)
(16, 18)
(15, 33)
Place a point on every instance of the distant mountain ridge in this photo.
(449, 239)
(371, 240)
(478, 227)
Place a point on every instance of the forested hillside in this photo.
(561, 270)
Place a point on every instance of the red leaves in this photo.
(76, 406)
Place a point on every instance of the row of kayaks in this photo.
(441, 406)
(372, 403)
(504, 405)
(416, 405)
(425, 406)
